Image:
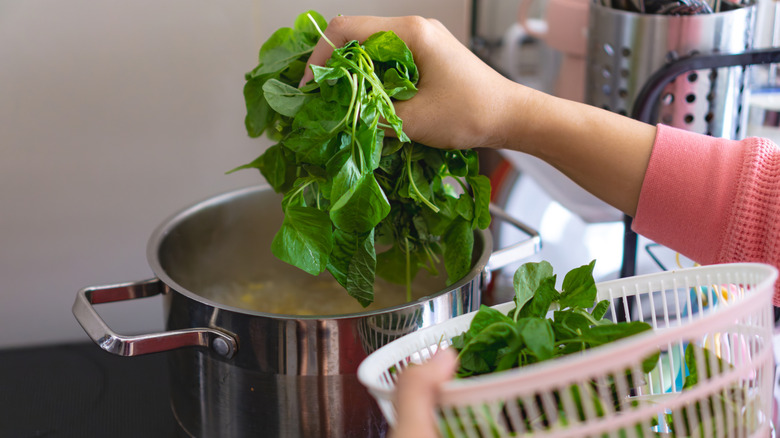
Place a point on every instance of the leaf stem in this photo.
(300, 189)
(366, 59)
(408, 271)
(376, 85)
(355, 119)
(590, 317)
(412, 185)
(433, 260)
(352, 100)
(432, 257)
(322, 34)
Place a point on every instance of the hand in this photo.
(463, 103)
(416, 392)
(460, 97)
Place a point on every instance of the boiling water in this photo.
(306, 296)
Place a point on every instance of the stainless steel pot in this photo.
(237, 372)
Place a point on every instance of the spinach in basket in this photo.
(547, 323)
(349, 189)
(527, 335)
(496, 342)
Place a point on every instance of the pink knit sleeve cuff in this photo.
(688, 191)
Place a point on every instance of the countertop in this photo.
(80, 391)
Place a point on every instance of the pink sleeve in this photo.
(713, 200)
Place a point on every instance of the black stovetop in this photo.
(80, 391)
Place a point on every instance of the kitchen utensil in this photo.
(237, 372)
(625, 49)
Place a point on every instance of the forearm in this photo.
(605, 153)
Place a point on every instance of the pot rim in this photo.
(170, 223)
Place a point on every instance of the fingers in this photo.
(417, 395)
(343, 29)
(459, 103)
(340, 31)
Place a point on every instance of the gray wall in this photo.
(113, 116)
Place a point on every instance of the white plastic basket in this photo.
(725, 309)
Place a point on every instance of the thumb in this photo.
(417, 393)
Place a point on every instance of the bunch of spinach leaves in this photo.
(348, 189)
(496, 342)
(526, 335)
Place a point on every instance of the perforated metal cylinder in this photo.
(626, 48)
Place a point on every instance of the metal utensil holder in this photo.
(626, 48)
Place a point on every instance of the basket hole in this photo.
(690, 98)
(710, 97)
(672, 56)
(623, 112)
(709, 117)
(626, 52)
(736, 130)
(624, 73)
(713, 75)
(692, 77)
(667, 99)
(608, 49)
(694, 52)
(606, 107)
(688, 119)
(623, 93)
(666, 119)
(709, 133)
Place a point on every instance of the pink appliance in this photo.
(564, 28)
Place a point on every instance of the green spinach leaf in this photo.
(305, 239)
(361, 207)
(353, 264)
(458, 244)
(579, 288)
(526, 335)
(527, 279)
(284, 99)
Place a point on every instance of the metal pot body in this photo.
(260, 374)
(289, 377)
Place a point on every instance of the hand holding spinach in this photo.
(347, 187)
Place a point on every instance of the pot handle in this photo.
(517, 251)
(219, 341)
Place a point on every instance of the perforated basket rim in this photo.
(597, 361)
